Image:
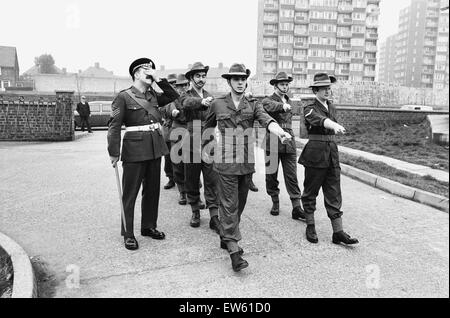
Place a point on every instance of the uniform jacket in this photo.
(273, 105)
(139, 146)
(83, 109)
(178, 121)
(223, 114)
(319, 154)
(191, 105)
(167, 121)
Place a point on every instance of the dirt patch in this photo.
(6, 274)
(406, 142)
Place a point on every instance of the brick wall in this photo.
(33, 117)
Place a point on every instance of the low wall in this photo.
(36, 117)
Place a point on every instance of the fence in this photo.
(32, 117)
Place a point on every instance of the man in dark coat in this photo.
(279, 107)
(234, 156)
(143, 146)
(320, 157)
(195, 104)
(167, 126)
(84, 111)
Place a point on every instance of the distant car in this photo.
(417, 107)
(100, 113)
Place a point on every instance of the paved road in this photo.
(59, 201)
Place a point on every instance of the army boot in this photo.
(342, 237)
(214, 224)
(311, 234)
(298, 213)
(182, 200)
(237, 262)
(275, 206)
(195, 220)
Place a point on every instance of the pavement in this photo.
(398, 164)
(59, 202)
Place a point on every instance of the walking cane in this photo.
(119, 189)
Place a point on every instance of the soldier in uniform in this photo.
(178, 121)
(143, 146)
(279, 107)
(234, 111)
(167, 125)
(320, 158)
(195, 104)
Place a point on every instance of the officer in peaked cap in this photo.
(235, 165)
(143, 146)
(195, 104)
(320, 158)
(167, 125)
(279, 106)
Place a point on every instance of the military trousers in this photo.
(84, 122)
(178, 171)
(148, 174)
(289, 164)
(192, 171)
(329, 179)
(168, 169)
(233, 193)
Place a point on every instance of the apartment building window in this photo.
(287, 13)
(360, 3)
(287, 26)
(287, 39)
(358, 29)
(357, 42)
(357, 54)
(290, 2)
(301, 29)
(270, 41)
(356, 67)
(270, 67)
(286, 52)
(270, 53)
(358, 16)
(285, 64)
(300, 53)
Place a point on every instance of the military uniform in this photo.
(320, 158)
(234, 175)
(286, 153)
(142, 149)
(178, 122)
(166, 128)
(195, 113)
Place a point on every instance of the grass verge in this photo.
(425, 183)
(6, 275)
(407, 142)
(46, 279)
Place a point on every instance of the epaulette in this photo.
(123, 90)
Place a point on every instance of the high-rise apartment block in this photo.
(421, 50)
(303, 37)
(387, 56)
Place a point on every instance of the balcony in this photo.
(270, 19)
(431, 34)
(429, 53)
(428, 62)
(371, 48)
(301, 6)
(300, 45)
(343, 46)
(342, 71)
(303, 32)
(347, 8)
(301, 19)
(432, 14)
(428, 71)
(298, 70)
(300, 58)
(270, 57)
(270, 45)
(372, 24)
(372, 36)
(429, 43)
(344, 34)
(345, 21)
(431, 24)
(270, 32)
(370, 60)
(343, 59)
(271, 6)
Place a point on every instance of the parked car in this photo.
(417, 107)
(100, 113)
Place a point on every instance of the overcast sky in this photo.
(173, 33)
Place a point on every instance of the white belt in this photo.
(151, 127)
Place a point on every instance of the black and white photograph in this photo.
(224, 157)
